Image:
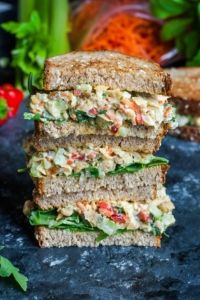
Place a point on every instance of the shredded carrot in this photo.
(131, 35)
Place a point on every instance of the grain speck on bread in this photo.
(107, 68)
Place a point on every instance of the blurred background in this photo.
(165, 31)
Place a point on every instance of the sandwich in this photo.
(98, 122)
(73, 170)
(185, 92)
(104, 94)
(90, 223)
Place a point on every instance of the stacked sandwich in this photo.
(98, 121)
(185, 91)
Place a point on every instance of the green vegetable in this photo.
(32, 117)
(107, 226)
(155, 211)
(56, 108)
(22, 170)
(82, 116)
(3, 108)
(156, 161)
(182, 24)
(7, 269)
(156, 231)
(40, 33)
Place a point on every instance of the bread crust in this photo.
(111, 69)
(56, 186)
(191, 133)
(60, 238)
(143, 193)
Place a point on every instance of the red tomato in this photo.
(144, 216)
(77, 93)
(119, 218)
(105, 209)
(7, 86)
(114, 129)
(3, 121)
(70, 161)
(2, 92)
(92, 111)
(81, 157)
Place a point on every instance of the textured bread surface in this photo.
(191, 133)
(185, 83)
(111, 69)
(137, 144)
(53, 130)
(186, 107)
(61, 238)
(58, 185)
(140, 193)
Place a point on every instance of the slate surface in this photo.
(172, 272)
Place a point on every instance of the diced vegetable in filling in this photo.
(89, 161)
(190, 120)
(108, 217)
(102, 107)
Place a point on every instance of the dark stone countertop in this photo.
(172, 272)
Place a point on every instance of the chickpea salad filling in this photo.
(184, 120)
(89, 161)
(105, 217)
(102, 107)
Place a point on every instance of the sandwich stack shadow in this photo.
(98, 121)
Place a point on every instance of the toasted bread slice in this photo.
(137, 193)
(60, 238)
(58, 185)
(185, 83)
(107, 68)
(185, 90)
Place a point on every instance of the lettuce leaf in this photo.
(48, 218)
(75, 223)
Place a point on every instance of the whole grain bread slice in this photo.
(137, 193)
(135, 144)
(107, 68)
(185, 83)
(72, 129)
(191, 133)
(58, 185)
(60, 238)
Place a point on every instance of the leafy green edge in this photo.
(7, 269)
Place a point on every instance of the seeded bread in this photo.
(60, 238)
(137, 193)
(53, 130)
(58, 185)
(111, 69)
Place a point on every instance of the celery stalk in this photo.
(59, 11)
(24, 9)
(42, 6)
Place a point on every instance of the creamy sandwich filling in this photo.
(103, 107)
(188, 120)
(89, 161)
(106, 217)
